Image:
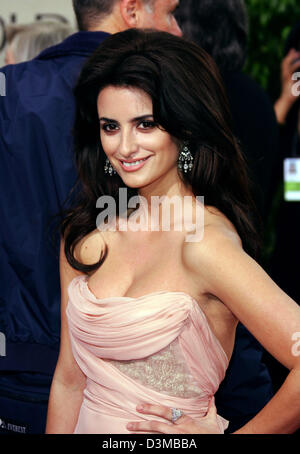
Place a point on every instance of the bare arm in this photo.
(272, 317)
(269, 314)
(68, 381)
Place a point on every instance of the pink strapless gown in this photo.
(157, 348)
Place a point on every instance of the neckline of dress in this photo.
(84, 278)
(156, 292)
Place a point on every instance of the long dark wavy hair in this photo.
(220, 27)
(189, 103)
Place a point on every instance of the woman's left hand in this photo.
(184, 425)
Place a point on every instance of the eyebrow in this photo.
(133, 120)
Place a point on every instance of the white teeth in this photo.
(130, 164)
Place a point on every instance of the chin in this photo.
(136, 182)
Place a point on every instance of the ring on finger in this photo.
(176, 414)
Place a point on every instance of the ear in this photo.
(132, 12)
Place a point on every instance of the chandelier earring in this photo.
(185, 159)
(108, 168)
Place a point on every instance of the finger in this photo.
(295, 66)
(292, 54)
(183, 420)
(212, 410)
(288, 62)
(153, 427)
(156, 410)
(163, 412)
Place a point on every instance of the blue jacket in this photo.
(36, 175)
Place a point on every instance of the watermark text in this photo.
(2, 84)
(161, 213)
(2, 345)
(296, 86)
(296, 345)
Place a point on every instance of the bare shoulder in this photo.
(218, 228)
(215, 222)
(219, 237)
(91, 247)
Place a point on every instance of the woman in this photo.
(149, 317)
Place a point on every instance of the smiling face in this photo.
(140, 152)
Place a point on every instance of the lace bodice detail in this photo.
(165, 372)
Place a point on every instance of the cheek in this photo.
(162, 141)
(109, 143)
(169, 153)
(150, 142)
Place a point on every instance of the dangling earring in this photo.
(108, 168)
(185, 160)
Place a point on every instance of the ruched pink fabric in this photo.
(129, 329)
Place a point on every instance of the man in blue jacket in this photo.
(36, 175)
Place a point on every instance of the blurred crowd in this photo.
(26, 41)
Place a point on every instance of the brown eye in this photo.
(109, 127)
(147, 124)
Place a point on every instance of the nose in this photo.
(128, 144)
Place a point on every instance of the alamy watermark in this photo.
(2, 344)
(2, 84)
(162, 214)
(296, 345)
(296, 86)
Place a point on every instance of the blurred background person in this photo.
(284, 261)
(24, 42)
(287, 105)
(221, 28)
